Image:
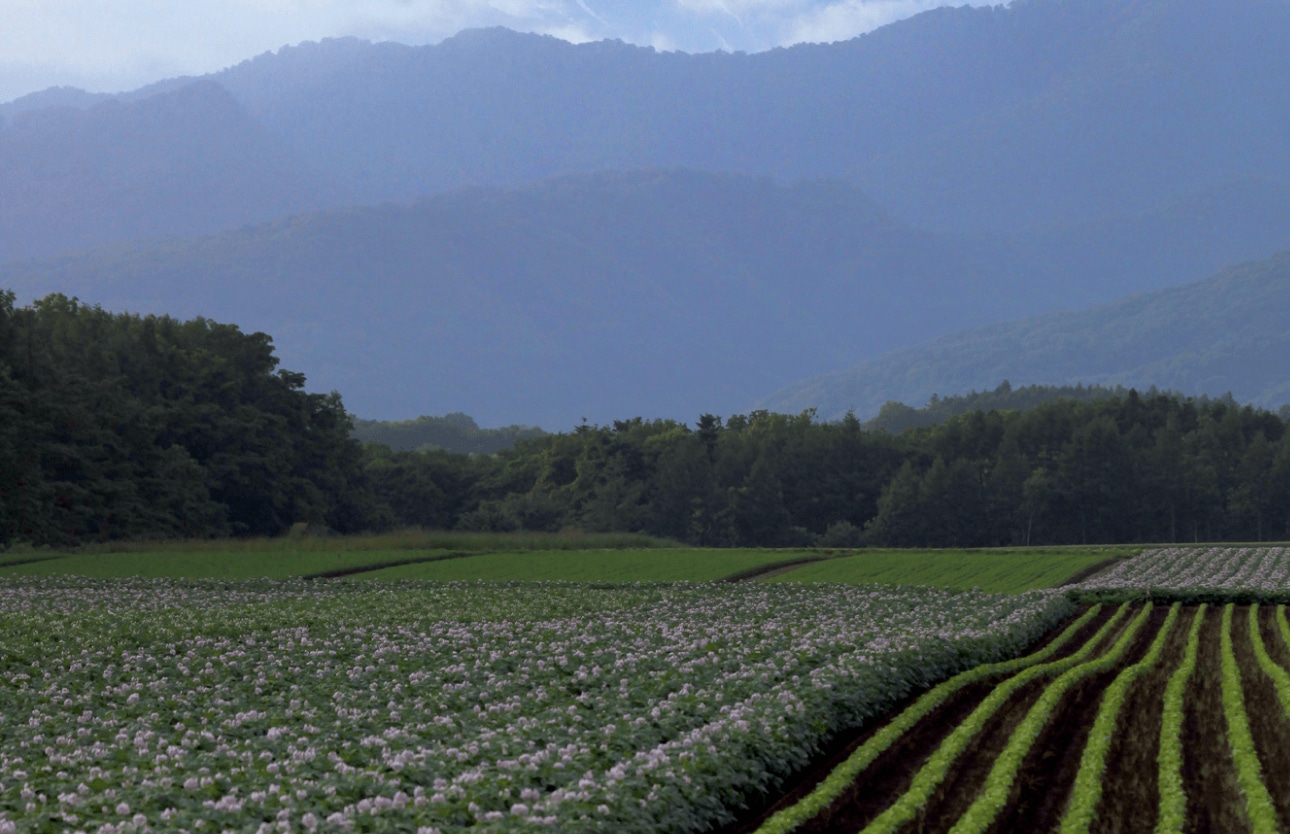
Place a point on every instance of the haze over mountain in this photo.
(1043, 113)
(960, 168)
(1225, 334)
(665, 293)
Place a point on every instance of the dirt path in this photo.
(892, 772)
(414, 560)
(773, 569)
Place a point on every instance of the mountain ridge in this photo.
(1223, 334)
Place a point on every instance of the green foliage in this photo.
(123, 426)
(1087, 791)
(1249, 773)
(897, 417)
(997, 571)
(937, 767)
(455, 432)
(1110, 470)
(998, 784)
(1280, 679)
(658, 565)
(1173, 798)
(841, 777)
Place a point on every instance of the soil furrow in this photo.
(968, 773)
(890, 774)
(1214, 802)
(1044, 782)
(1130, 786)
(1268, 722)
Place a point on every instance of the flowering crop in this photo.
(165, 705)
(1240, 574)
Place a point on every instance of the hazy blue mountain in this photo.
(1228, 333)
(1038, 115)
(657, 293)
(180, 163)
(653, 293)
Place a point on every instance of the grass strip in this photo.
(845, 773)
(1280, 679)
(997, 789)
(933, 772)
(1087, 792)
(1249, 774)
(1173, 799)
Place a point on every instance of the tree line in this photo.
(117, 426)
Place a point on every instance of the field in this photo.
(1171, 717)
(1004, 570)
(663, 565)
(433, 707)
(1153, 695)
(463, 557)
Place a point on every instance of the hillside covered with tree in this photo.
(1224, 334)
(122, 426)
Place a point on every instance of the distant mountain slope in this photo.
(608, 296)
(656, 293)
(1230, 332)
(1039, 115)
(180, 163)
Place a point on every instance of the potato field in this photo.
(1153, 696)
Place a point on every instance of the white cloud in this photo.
(851, 18)
(107, 45)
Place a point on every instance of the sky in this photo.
(115, 45)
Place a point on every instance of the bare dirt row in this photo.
(1130, 797)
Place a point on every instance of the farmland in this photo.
(1138, 699)
(573, 558)
(998, 570)
(1150, 717)
(437, 706)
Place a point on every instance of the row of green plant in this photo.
(1259, 809)
(1087, 792)
(1271, 668)
(1003, 774)
(1173, 799)
(789, 819)
(925, 783)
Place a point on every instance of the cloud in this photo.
(851, 18)
(108, 45)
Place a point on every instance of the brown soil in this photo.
(1271, 631)
(415, 560)
(1130, 787)
(1268, 722)
(889, 775)
(1214, 802)
(1045, 779)
(773, 569)
(1091, 571)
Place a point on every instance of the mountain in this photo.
(661, 293)
(1228, 333)
(651, 293)
(180, 163)
(1040, 115)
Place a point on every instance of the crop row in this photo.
(1196, 574)
(1078, 713)
(135, 705)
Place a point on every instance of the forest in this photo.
(118, 426)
